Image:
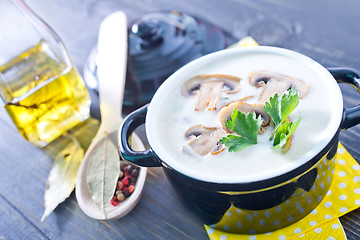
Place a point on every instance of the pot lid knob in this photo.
(149, 32)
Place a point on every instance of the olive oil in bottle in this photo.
(44, 97)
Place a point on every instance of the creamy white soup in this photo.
(176, 115)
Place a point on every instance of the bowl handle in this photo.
(146, 158)
(350, 76)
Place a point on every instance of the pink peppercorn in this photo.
(125, 181)
(120, 185)
(114, 201)
(131, 188)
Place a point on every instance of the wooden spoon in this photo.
(111, 61)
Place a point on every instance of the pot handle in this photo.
(146, 158)
(350, 76)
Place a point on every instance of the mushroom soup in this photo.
(247, 83)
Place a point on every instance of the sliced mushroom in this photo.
(209, 88)
(276, 83)
(225, 113)
(204, 140)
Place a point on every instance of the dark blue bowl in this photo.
(265, 204)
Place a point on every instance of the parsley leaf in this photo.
(279, 109)
(245, 125)
(273, 109)
(236, 143)
(289, 103)
(283, 133)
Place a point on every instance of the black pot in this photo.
(264, 204)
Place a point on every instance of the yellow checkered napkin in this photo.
(322, 222)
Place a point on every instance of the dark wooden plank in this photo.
(11, 220)
(351, 224)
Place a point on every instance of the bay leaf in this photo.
(62, 176)
(103, 172)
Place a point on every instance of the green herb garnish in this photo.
(246, 126)
(284, 132)
(279, 109)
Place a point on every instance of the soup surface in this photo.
(318, 110)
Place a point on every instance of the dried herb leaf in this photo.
(62, 176)
(103, 172)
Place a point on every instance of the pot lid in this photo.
(159, 44)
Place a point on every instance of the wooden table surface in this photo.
(325, 30)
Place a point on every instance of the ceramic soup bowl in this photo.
(272, 188)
